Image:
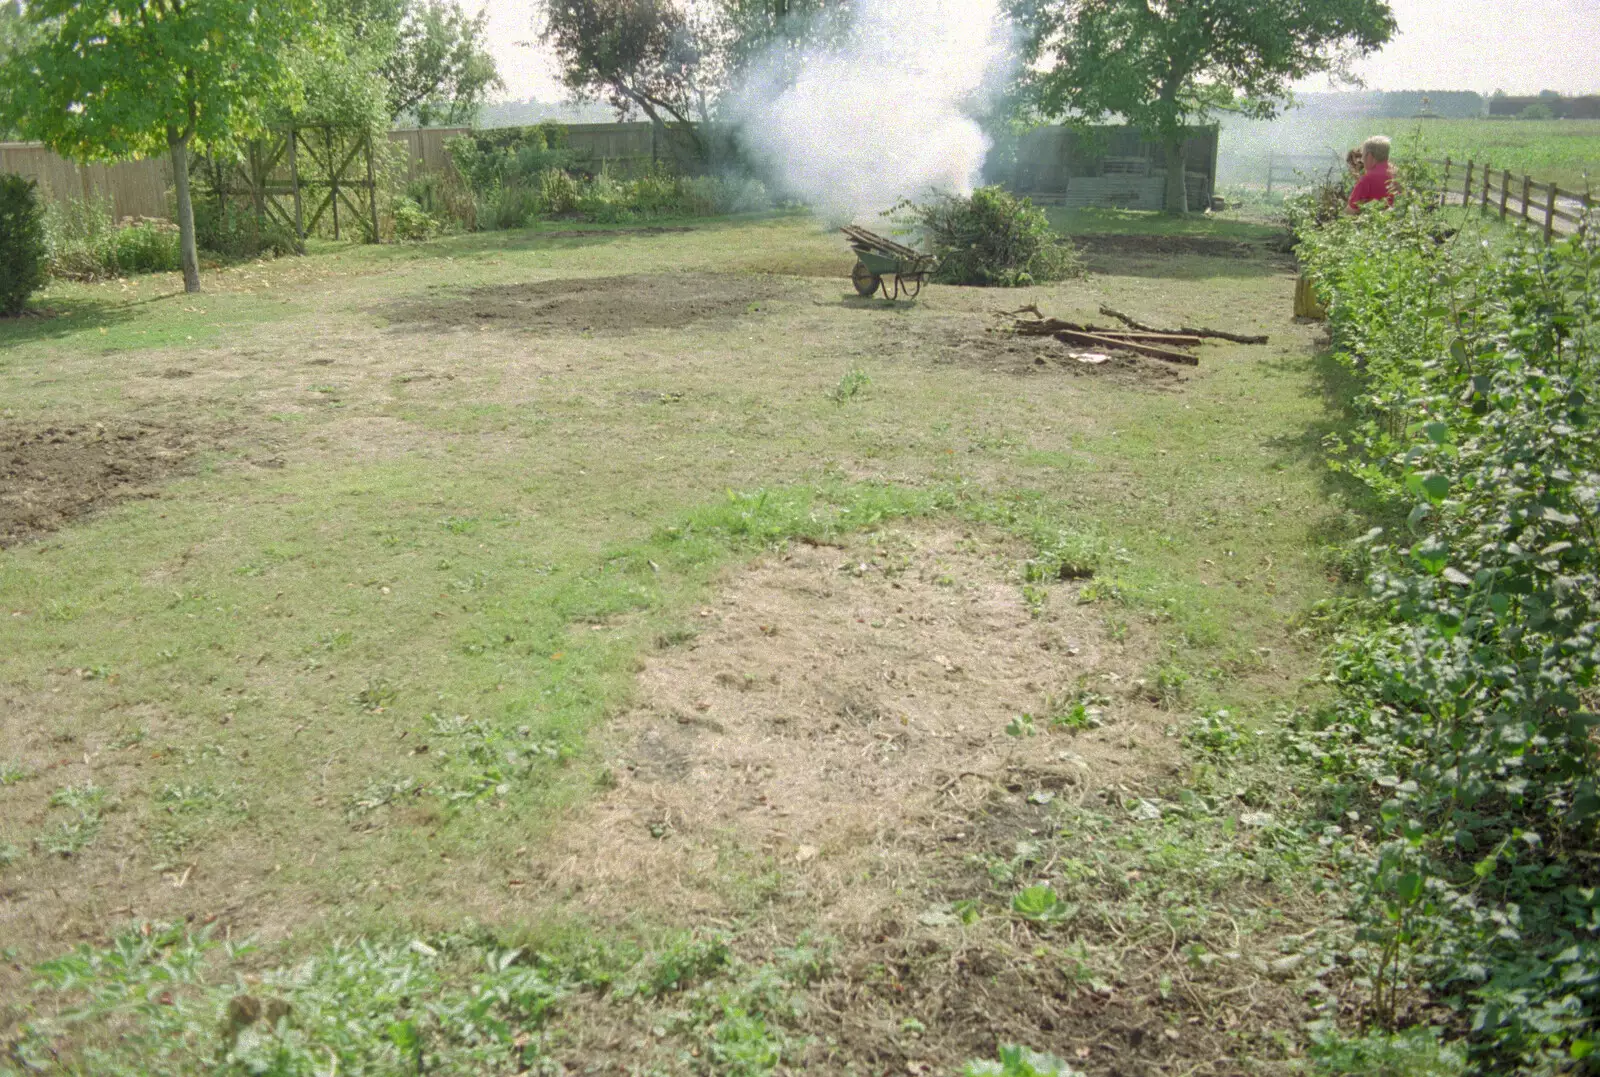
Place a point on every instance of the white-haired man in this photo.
(1377, 181)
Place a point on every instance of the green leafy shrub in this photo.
(1464, 731)
(445, 197)
(412, 222)
(510, 156)
(22, 245)
(991, 238)
(148, 247)
(81, 235)
(233, 231)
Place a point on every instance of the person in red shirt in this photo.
(1377, 181)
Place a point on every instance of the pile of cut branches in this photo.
(991, 238)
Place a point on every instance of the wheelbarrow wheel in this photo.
(865, 280)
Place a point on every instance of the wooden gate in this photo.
(298, 176)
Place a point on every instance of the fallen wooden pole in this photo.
(1069, 336)
(1049, 327)
(1216, 334)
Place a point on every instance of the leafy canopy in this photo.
(430, 55)
(644, 55)
(112, 79)
(1164, 63)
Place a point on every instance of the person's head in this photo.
(1375, 151)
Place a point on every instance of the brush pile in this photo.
(991, 239)
(1136, 337)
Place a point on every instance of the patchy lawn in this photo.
(785, 680)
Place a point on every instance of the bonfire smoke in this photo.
(886, 113)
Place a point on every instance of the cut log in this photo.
(1069, 336)
(1215, 334)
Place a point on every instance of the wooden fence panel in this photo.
(425, 148)
(134, 188)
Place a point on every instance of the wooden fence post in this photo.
(1483, 205)
(1466, 188)
(372, 191)
(1444, 183)
(1550, 213)
(1527, 191)
(1269, 173)
(1505, 186)
(294, 181)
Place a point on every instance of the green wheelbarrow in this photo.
(880, 261)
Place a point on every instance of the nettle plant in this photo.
(1466, 717)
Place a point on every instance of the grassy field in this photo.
(1565, 151)
(630, 649)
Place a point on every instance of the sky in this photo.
(1519, 46)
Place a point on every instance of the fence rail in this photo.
(1511, 196)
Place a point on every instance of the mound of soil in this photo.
(51, 475)
(589, 304)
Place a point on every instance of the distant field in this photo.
(1562, 150)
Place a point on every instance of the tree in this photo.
(430, 54)
(647, 55)
(114, 79)
(1163, 64)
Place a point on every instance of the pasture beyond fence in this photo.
(1520, 197)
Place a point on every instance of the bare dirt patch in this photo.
(833, 747)
(591, 304)
(54, 474)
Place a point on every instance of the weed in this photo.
(1020, 1062)
(853, 382)
(12, 772)
(377, 696)
(1040, 905)
(84, 799)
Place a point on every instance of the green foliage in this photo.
(645, 56)
(234, 232)
(429, 55)
(411, 221)
(850, 385)
(81, 236)
(992, 238)
(522, 174)
(452, 1004)
(1537, 111)
(1464, 727)
(1415, 1052)
(510, 156)
(153, 72)
(1020, 1062)
(148, 247)
(1168, 65)
(22, 243)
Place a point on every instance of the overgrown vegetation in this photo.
(85, 242)
(22, 247)
(1462, 748)
(991, 238)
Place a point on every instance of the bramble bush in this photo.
(1464, 733)
(22, 247)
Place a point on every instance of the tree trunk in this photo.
(180, 179)
(1177, 200)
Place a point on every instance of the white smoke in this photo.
(885, 114)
